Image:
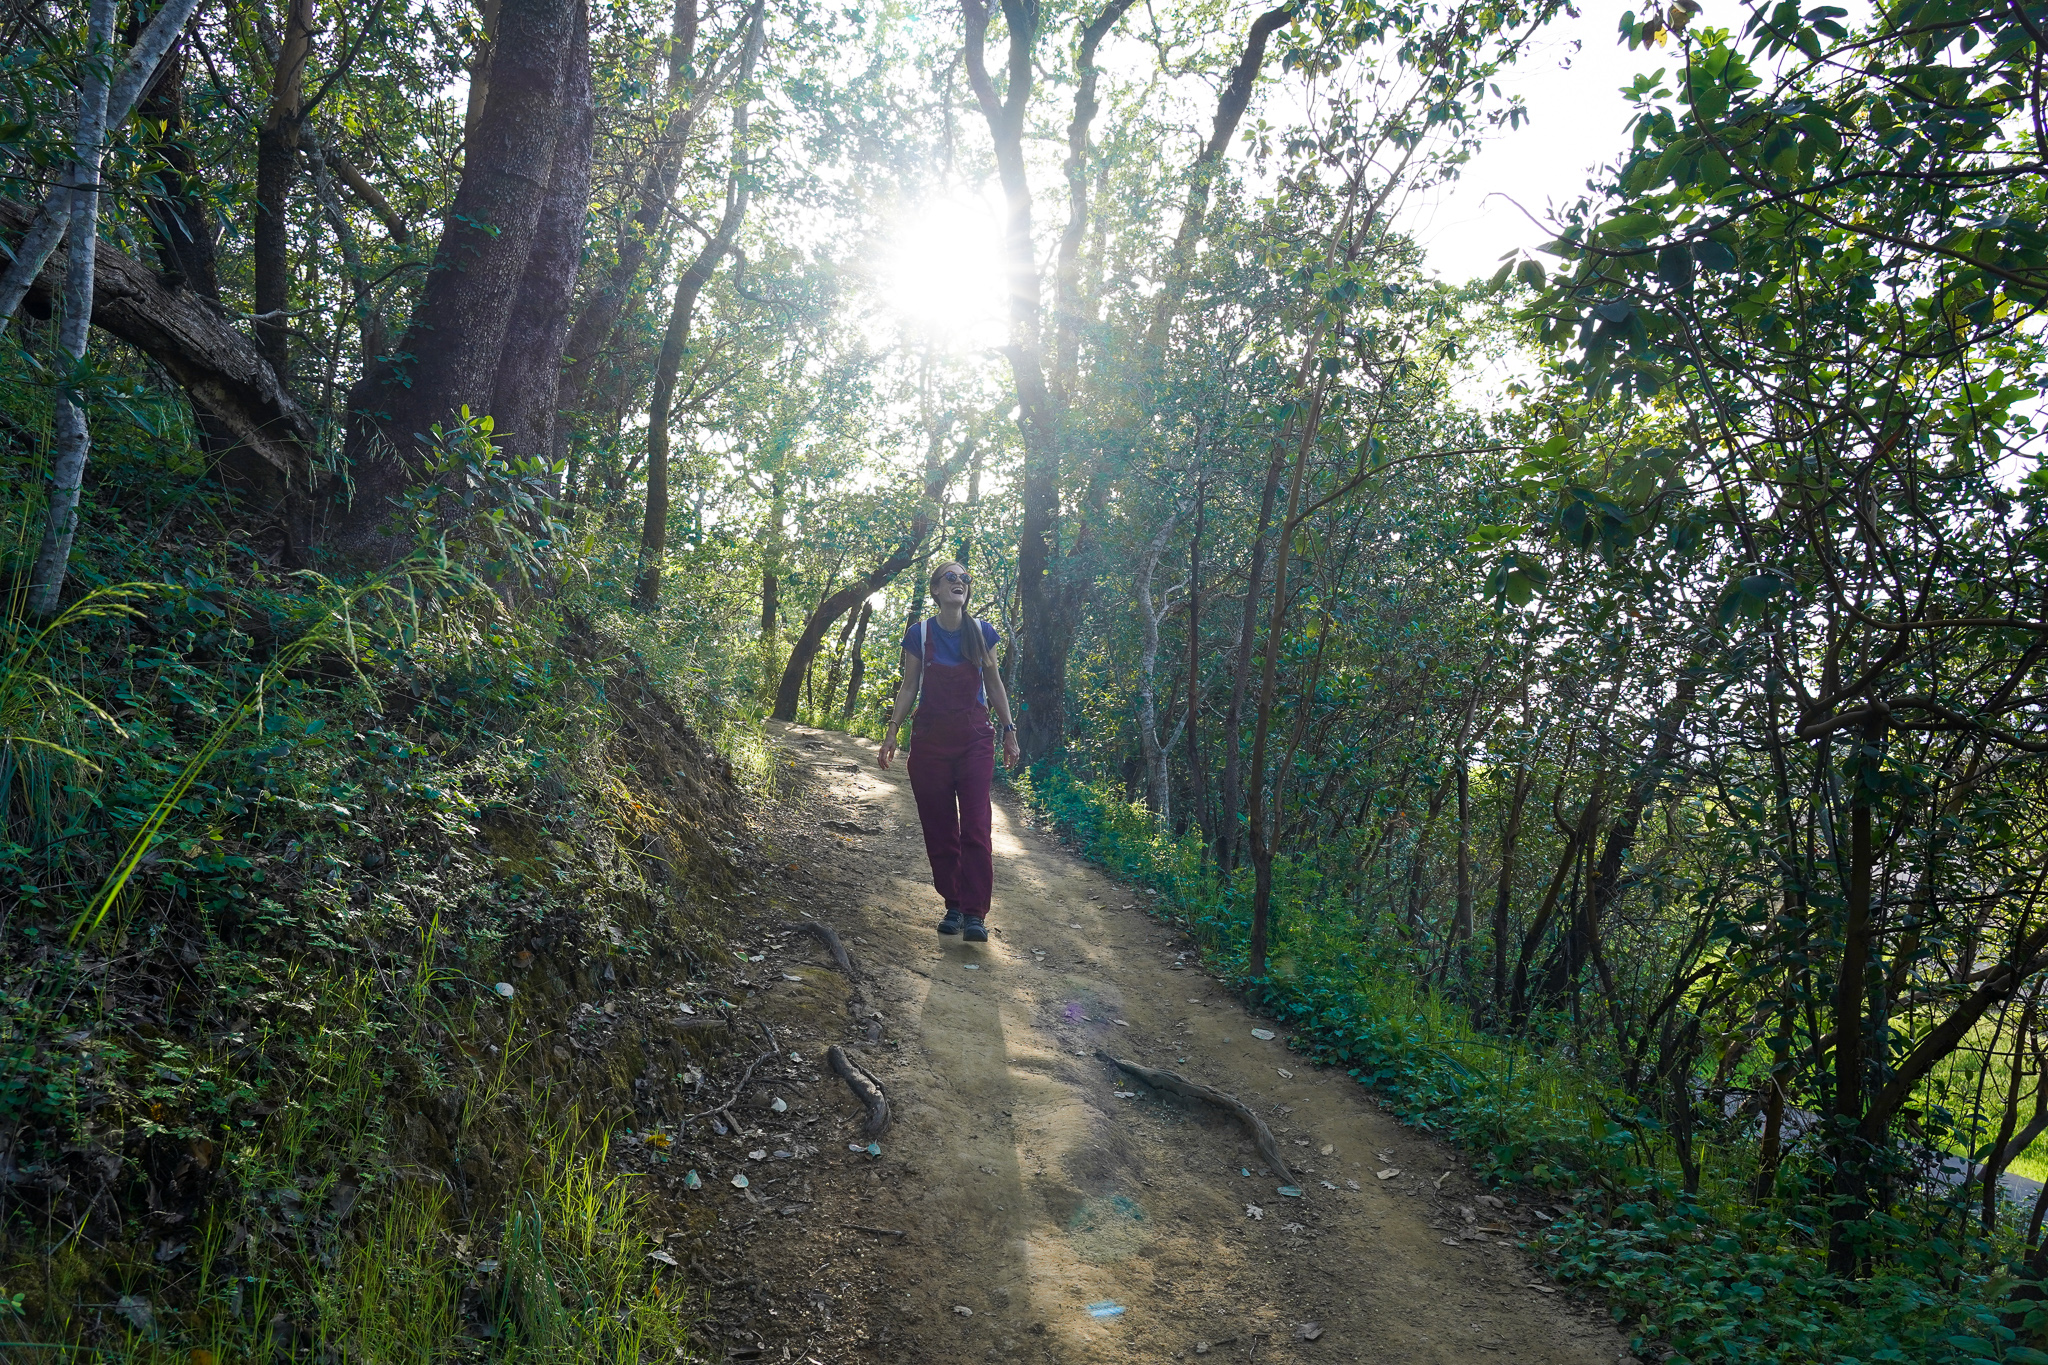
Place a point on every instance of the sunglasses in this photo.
(954, 578)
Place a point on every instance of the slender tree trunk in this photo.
(688, 97)
(277, 166)
(1198, 795)
(1461, 926)
(836, 605)
(838, 666)
(1241, 669)
(41, 234)
(1157, 793)
(72, 437)
(676, 342)
(1852, 989)
(860, 661)
(1503, 893)
(1262, 843)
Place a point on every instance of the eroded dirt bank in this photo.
(1026, 1178)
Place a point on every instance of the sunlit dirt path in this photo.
(1031, 1181)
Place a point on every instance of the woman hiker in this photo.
(949, 668)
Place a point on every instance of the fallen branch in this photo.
(826, 935)
(741, 1088)
(879, 1232)
(863, 1087)
(1195, 1090)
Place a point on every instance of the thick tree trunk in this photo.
(71, 438)
(523, 401)
(675, 343)
(277, 166)
(1045, 628)
(448, 358)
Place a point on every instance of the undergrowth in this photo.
(1709, 1276)
(305, 884)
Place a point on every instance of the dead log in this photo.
(226, 376)
(864, 1089)
(826, 935)
(1180, 1085)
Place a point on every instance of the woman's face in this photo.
(951, 587)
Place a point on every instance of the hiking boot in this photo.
(974, 931)
(951, 923)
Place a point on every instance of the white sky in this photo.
(1578, 119)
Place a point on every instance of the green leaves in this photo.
(1748, 596)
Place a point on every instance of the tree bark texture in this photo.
(1044, 631)
(523, 401)
(218, 367)
(449, 357)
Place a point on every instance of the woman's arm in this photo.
(999, 702)
(913, 669)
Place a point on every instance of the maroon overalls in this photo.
(952, 764)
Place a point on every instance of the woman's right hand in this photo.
(888, 752)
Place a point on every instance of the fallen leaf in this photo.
(963, 1310)
(1286, 1075)
(1264, 1035)
(1328, 1149)
(1390, 1173)
(1543, 1288)
(1308, 1331)
(1254, 1211)
(662, 1256)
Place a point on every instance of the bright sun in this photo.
(943, 269)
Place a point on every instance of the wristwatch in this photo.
(1009, 729)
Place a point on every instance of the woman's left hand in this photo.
(1012, 756)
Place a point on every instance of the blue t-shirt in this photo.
(945, 643)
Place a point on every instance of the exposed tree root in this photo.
(826, 935)
(1195, 1090)
(864, 1089)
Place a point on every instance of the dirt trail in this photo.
(1027, 1188)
